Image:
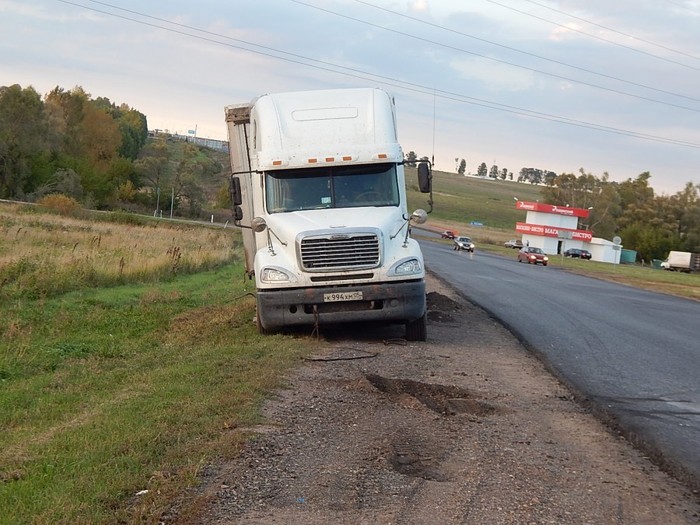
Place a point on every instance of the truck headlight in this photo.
(408, 267)
(275, 275)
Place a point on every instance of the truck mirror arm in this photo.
(270, 247)
(408, 231)
(404, 225)
(269, 240)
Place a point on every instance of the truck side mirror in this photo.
(419, 216)
(237, 213)
(425, 177)
(235, 192)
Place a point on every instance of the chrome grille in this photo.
(340, 252)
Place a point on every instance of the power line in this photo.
(594, 36)
(534, 55)
(596, 86)
(356, 73)
(683, 6)
(614, 30)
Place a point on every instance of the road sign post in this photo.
(564, 235)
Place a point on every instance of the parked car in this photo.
(448, 234)
(513, 243)
(464, 243)
(532, 255)
(576, 252)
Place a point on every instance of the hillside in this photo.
(460, 201)
(194, 172)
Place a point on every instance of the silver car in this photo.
(464, 243)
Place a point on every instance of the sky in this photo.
(607, 87)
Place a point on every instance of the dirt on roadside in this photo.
(466, 428)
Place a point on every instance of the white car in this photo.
(464, 243)
(513, 243)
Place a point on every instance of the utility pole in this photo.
(155, 214)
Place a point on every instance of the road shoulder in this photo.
(466, 428)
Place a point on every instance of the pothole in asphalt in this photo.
(446, 400)
(417, 460)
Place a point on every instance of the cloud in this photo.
(418, 6)
(491, 75)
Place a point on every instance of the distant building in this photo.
(221, 145)
(555, 229)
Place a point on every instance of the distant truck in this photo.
(318, 189)
(682, 262)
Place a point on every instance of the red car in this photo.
(533, 255)
(448, 234)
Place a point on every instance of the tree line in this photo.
(94, 151)
(650, 224)
(98, 153)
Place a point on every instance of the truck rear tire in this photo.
(417, 330)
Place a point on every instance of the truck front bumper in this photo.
(389, 302)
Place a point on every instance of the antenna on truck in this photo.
(434, 119)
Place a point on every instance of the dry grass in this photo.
(45, 254)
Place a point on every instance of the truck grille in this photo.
(340, 252)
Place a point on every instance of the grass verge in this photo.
(108, 392)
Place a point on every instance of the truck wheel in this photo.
(417, 330)
(261, 328)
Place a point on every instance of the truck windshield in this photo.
(331, 187)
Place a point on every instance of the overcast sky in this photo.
(607, 86)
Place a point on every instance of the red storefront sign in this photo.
(549, 208)
(552, 231)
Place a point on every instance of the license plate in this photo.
(342, 296)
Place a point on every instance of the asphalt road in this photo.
(634, 355)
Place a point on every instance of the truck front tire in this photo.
(417, 330)
(258, 321)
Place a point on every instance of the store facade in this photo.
(555, 229)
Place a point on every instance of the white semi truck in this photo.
(318, 189)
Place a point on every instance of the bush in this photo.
(59, 203)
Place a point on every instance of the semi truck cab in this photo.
(319, 191)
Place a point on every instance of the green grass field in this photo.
(460, 200)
